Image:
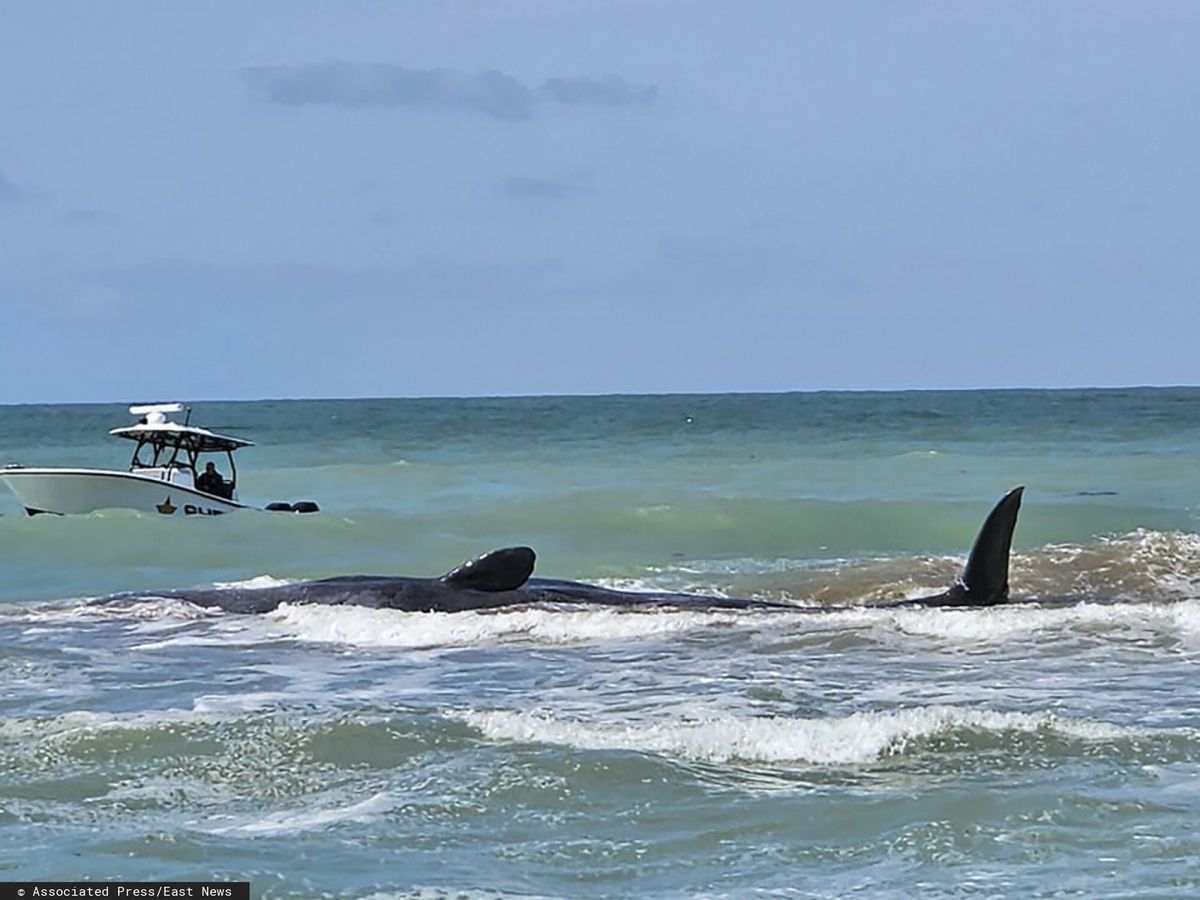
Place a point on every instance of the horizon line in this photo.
(611, 394)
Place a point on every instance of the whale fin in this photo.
(984, 580)
(500, 570)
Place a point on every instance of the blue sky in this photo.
(240, 200)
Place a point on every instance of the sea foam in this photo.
(392, 628)
(292, 821)
(854, 739)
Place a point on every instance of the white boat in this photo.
(164, 475)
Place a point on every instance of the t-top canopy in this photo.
(187, 437)
(153, 428)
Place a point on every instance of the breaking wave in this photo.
(1138, 566)
(1138, 583)
(854, 739)
(391, 628)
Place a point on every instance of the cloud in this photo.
(610, 91)
(83, 216)
(528, 188)
(379, 85)
(305, 288)
(23, 200)
(490, 93)
(9, 192)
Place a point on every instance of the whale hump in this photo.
(984, 581)
(500, 570)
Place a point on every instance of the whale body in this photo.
(502, 578)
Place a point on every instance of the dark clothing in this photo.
(211, 483)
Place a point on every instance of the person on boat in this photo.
(210, 481)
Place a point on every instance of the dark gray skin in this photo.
(502, 578)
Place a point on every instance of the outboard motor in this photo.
(300, 506)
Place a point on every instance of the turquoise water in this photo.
(1052, 746)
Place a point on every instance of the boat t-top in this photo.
(164, 474)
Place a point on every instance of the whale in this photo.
(504, 578)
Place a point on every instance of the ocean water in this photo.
(1050, 747)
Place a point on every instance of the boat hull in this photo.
(77, 491)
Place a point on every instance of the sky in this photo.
(312, 199)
